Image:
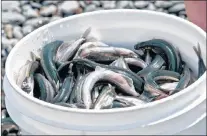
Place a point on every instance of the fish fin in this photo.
(112, 88)
(86, 33)
(34, 57)
(197, 50)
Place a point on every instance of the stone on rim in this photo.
(69, 7)
(141, 4)
(108, 4)
(177, 8)
(122, 4)
(163, 4)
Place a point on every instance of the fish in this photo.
(156, 64)
(101, 74)
(183, 82)
(48, 63)
(129, 100)
(89, 45)
(120, 104)
(148, 58)
(166, 47)
(105, 98)
(136, 62)
(201, 65)
(137, 80)
(167, 87)
(103, 53)
(120, 62)
(65, 90)
(47, 92)
(152, 87)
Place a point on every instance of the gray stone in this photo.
(177, 1)
(108, 4)
(17, 33)
(35, 5)
(89, 8)
(122, 4)
(131, 5)
(8, 31)
(182, 16)
(54, 18)
(30, 13)
(50, 2)
(11, 6)
(163, 4)
(37, 22)
(177, 8)
(8, 43)
(26, 7)
(182, 12)
(141, 4)
(48, 10)
(23, 2)
(27, 29)
(12, 18)
(151, 7)
(69, 7)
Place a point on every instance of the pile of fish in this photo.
(89, 74)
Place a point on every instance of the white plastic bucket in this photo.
(178, 114)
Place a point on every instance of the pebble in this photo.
(17, 32)
(30, 13)
(8, 31)
(37, 22)
(49, 2)
(108, 4)
(90, 8)
(163, 4)
(27, 29)
(69, 7)
(13, 18)
(141, 4)
(8, 42)
(11, 6)
(3, 106)
(160, 9)
(131, 5)
(48, 10)
(177, 8)
(151, 7)
(35, 5)
(183, 12)
(23, 2)
(122, 4)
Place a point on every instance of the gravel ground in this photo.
(19, 18)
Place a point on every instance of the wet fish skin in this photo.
(105, 99)
(47, 92)
(106, 75)
(168, 49)
(48, 62)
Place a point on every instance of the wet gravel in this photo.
(20, 18)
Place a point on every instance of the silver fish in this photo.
(148, 58)
(136, 62)
(120, 62)
(129, 100)
(26, 79)
(106, 75)
(68, 49)
(106, 53)
(95, 93)
(168, 86)
(89, 45)
(106, 98)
